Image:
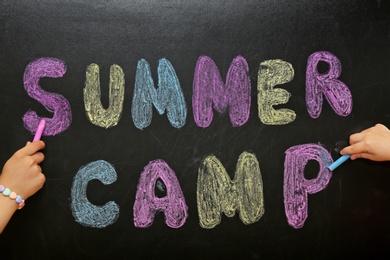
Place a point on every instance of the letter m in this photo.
(217, 193)
(209, 91)
(167, 97)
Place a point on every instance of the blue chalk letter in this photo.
(168, 96)
(83, 211)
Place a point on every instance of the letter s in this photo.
(53, 102)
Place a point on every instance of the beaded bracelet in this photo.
(12, 195)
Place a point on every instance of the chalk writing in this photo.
(217, 193)
(296, 186)
(210, 91)
(168, 96)
(83, 211)
(55, 103)
(96, 114)
(272, 73)
(336, 92)
(147, 204)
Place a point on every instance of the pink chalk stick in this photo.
(40, 129)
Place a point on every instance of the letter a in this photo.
(147, 204)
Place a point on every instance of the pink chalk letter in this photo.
(53, 102)
(209, 91)
(147, 204)
(336, 92)
(296, 186)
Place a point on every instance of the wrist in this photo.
(7, 209)
(8, 203)
(12, 196)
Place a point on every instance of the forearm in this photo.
(23, 176)
(7, 209)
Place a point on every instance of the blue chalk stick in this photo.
(339, 161)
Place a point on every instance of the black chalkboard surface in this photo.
(174, 128)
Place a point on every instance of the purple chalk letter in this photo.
(209, 90)
(55, 103)
(296, 186)
(335, 91)
(146, 203)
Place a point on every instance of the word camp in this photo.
(216, 192)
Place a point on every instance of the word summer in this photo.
(216, 192)
(209, 91)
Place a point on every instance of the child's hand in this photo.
(21, 173)
(372, 143)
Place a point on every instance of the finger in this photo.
(380, 127)
(355, 156)
(368, 156)
(362, 156)
(42, 179)
(33, 147)
(347, 150)
(38, 157)
(370, 129)
(36, 169)
(355, 138)
(354, 149)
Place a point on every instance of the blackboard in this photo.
(187, 46)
